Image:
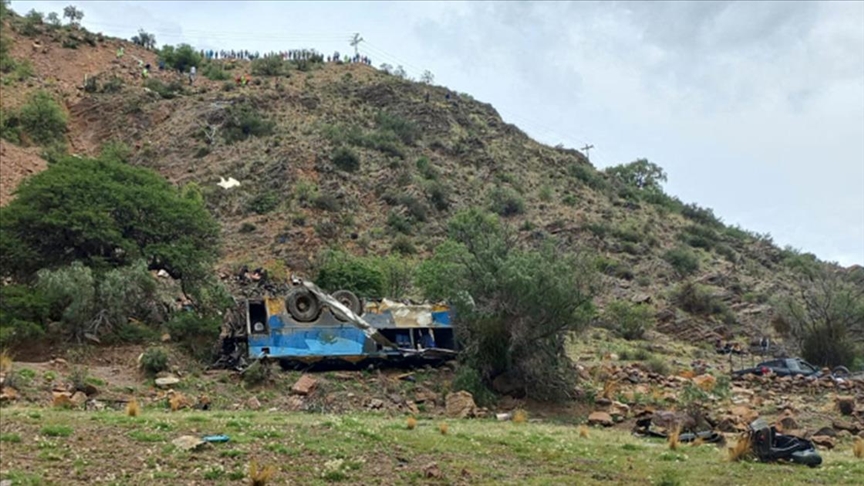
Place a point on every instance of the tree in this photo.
(387, 68)
(825, 316)
(73, 14)
(42, 118)
(399, 72)
(105, 214)
(640, 174)
(514, 307)
(53, 19)
(144, 39)
(427, 77)
(180, 58)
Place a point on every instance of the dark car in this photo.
(789, 367)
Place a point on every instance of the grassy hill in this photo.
(350, 157)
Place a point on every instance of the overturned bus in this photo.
(308, 325)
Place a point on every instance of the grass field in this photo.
(47, 446)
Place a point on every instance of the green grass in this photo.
(56, 431)
(319, 449)
(10, 438)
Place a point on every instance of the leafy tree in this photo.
(144, 39)
(640, 174)
(181, 57)
(514, 307)
(825, 316)
(104, 214)
(427, 77)
(342, 271)
(73, 14)
(32, 23)
(53, 19)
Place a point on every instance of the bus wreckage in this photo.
(309, 326)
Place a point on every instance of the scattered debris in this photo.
(227, 183)
(188, 442)
(167, 381)
(216, 438)
(824, 441)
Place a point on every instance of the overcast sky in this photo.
(754, 109)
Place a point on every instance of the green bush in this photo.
(244, 121)
(405, 130)
(399, 223)
(703, 216)
(215, 72)
(154, 360)
(403, 245)
(327, 202)
(23, 313)
(614, 268)
(166, 91)
(258, 373)
(439, 195)
(657, 365)
(341, 271)
(588, 176)
(345, 159)
(468, 379)
(269, 66)
(698, 300)
(42, 119)
(426, 169)
(263, 202)
(115, 151)
(198, 334)
(181, 57)
(699, 236)
(505, 201)
(629, 320)
(683, 260)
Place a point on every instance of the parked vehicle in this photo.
(789, 367)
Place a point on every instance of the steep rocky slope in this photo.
(424, 152)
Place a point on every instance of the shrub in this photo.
(327, 202)
(32, 23)
(545, 194)
(614, 268)
(439, 195)
(166, 91)
(269, 66)
(257, 373)
(425, 168)
(105, 214)
(399, 223)
(244, 121)
(264, 202)
(407, 131)
(588, 176)
(181, 57)
(198, 334)
(683, 260)
(415, 208)
(42, 119)
(345, 159)
(215, 72)
(630, 320)
(657, 365)
(698, 300)
(699, 237)
(341, 271)
(403, 245)
(154, 360)
(398, 275)
(703, 216)
(468, 379)
(506, 202)
(115, 151)
(23, 313)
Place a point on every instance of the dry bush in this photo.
(741, 450)
(609, 389)
(698, 442)
(260, 477)
(520, 416)
(674, 438)
(443, 428)
(583, 431)
(411, 423)
(177, 400)
(132, 408)
(5, 362)
(858, 448)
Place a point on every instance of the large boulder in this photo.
(600, 418)
(304, 386)
(460, 405)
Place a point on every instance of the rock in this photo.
(641, 299)
(600, 418)
(787, 422)
(412, 407)
(744, 413)
(8, 394)
(167, 381)
(61, 399)
(78, 399)
(253, 403)
(460, 404)
(602, 403)
(89, 390)
(188, 443)
(845, 425)
(503, 417)
(295, 403)
(165, 338)
(60, 362)
(824, 441)
(619, 411)
(432, 471)
(425, 396)
(730, 426)
(826, 431)
(844, 435)
(375, 404)
(846, 405)
(705, 382)
(305, 385)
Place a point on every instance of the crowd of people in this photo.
(292, 55)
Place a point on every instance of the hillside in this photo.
(421, 153)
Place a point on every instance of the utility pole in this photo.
(586, 149)
(355, 41)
